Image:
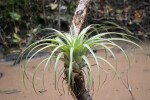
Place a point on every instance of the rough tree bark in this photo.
(78, 85)
(80, 14)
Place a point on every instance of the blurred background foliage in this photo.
(19, 19)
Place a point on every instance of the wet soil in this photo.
(131, 83)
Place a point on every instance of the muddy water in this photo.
(128, 85)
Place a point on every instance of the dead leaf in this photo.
(137, 17)
(140, 33)
(23, 41)
(130, 22)
(126, 10)
(16, 29)
(119, 17)
(14, 51)
(29, 34)
(100, 11)
(109, 8)
(5, 43)
(137, 14)
(53, 6)
(16, 36)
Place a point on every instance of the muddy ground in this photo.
(128, 85)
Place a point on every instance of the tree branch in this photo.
(80, 14)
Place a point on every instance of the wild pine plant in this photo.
(74, 49)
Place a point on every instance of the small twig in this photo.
(128, 86)
(104, 80)
(3, 38)
(141, 27)
(3, 31)
(44, 13)
(63, 85)
(93, 64)
(62, 82)
(59, 21)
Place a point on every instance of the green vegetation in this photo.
(71, 48)
(76, 49)
(21, 17)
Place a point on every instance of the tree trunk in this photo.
(77, 86)
(80, 14)
(79, 90)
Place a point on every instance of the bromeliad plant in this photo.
(74, 49)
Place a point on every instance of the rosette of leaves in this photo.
(74, 49)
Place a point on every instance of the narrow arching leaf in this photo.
(98, 66)
(25, 67)
(105, 61)
(87, 75)
(35, 73)
(120, 39)
(90, 68)
(112, 43)
(37, 46)
(70, 67)
(56, 65)
(107, 48)
(49, 60)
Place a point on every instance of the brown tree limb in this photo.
(80, 15)
(77, 83)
